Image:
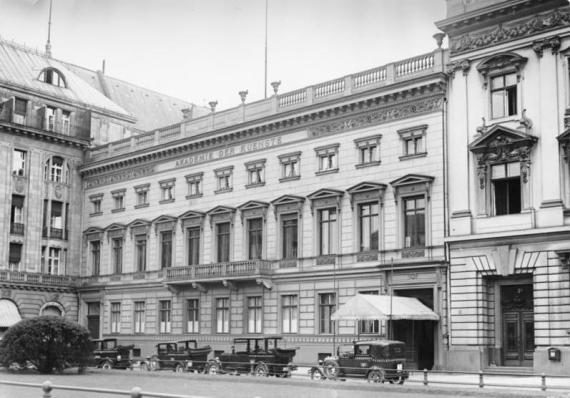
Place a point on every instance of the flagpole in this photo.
(265, 80)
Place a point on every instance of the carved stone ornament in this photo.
(463, 65)
(510, 31)
(551, 42)
(502, 145)
(501, 63)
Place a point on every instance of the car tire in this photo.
(107, 365)
(331, 369)
(154, 364)
(376, 376)
(179, 368)
(212, 368)
(401, 380)
(261, 370)
(316, 374)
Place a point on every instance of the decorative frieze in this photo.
(551, 42)
(125, 175)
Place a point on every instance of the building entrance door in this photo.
(93, 319)
(518, 324)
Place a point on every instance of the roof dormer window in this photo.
(52, 76)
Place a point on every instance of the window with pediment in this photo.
(192, 225)
(222, 222)
(288, 210)
(165, 227)
(139, 230)
(325, 207)
(412, 194)
(501, 75)
(253, 215)
(116, 238)
(503, 168)
(94, 237)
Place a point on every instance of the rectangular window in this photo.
(54, 260)
(255, 238)
(140, 253)
(414, 145)
(56, 169)
(17, 215)
(192, 316)
(254, 311)
(65, 122)
(194, 246)
(166, 249)
(326, 308)
(369, 326)
(115, 317)
(414, 222)
(506, 188)
(224, 179)
(290, 166)
(15, 256)
(255, 173)
(50, 118)
(504, 95)
(95, 257)
(118, 201)
(19, 162)
(328, 161)
(413, 139)
(56, 218)
(96, 203)
(328, 231)
(222, 315)
(290, 313)
(167, 190)
(117, 252)
(368, 150)
(194, 182)
(20, 110)
(164, 316)
(141, 192)
(139, 316)
(289, 235)
(369, 226)
(223, 241)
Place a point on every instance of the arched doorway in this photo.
(54, 309)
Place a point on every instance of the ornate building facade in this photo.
(508, 179)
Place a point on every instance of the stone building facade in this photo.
(508, 179)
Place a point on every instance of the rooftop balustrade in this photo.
(408, 69)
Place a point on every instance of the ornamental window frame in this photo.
(224, 179)
(53, 76)
(327, 159)
(167, 190)
(118, 200)
(19, 162)
(195, 185)
(255, 170)
(368, 151)
(192, 221)
(290, 165)
(221, 215)
(288, 207)
(96, 202)
(141, 192)
(413, 137)
(326, 202)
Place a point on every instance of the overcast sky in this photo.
(203, 50)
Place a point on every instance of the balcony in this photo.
(17, 228)
(35, 279)
(55, 233)
(228, 273)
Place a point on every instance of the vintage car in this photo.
(107, 354)
(260, 356)
(180, 356)
(376, 360)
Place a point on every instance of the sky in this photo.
(204, 50)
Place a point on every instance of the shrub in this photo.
(48, 342)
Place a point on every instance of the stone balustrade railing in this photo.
(220, 270)
(37, 278)
(385, 75)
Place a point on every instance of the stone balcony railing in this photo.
(33, 278)
(422, 65)
(220, 271)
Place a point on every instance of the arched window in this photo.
(53, 309)
(52, 76)
(56, 169)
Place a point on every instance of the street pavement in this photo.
(299, 386)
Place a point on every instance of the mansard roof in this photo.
(410, 179)
(500, 136)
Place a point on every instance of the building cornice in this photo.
(44, 135)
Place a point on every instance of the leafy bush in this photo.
(47, 342)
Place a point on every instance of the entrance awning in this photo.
(374, 307)
(9, 314)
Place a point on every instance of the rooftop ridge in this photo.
(23, 47)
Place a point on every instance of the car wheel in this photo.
(107, 365)
(331, 369)
(153, 364)
(179, 368)
(316, 374)
(212, 368)
(401, 380)
(376, 376)
(261, 370)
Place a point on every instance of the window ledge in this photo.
(142, 205)
(95, 214)
(285, 179)
(323, 172)
(163, 201)
(259, 184)
(367, 164)
(118, 210)
(225, 190)
(414, 156)
(198, 195)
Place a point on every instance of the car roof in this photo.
(378, 342)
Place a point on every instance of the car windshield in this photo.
(108, 344)
(363, 349)
(397, 350)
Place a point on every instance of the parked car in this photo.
(180, 356)
(257, 355)
(107, 354)
(376, 360)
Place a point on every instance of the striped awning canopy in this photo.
(9, 314)
(374, 307)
